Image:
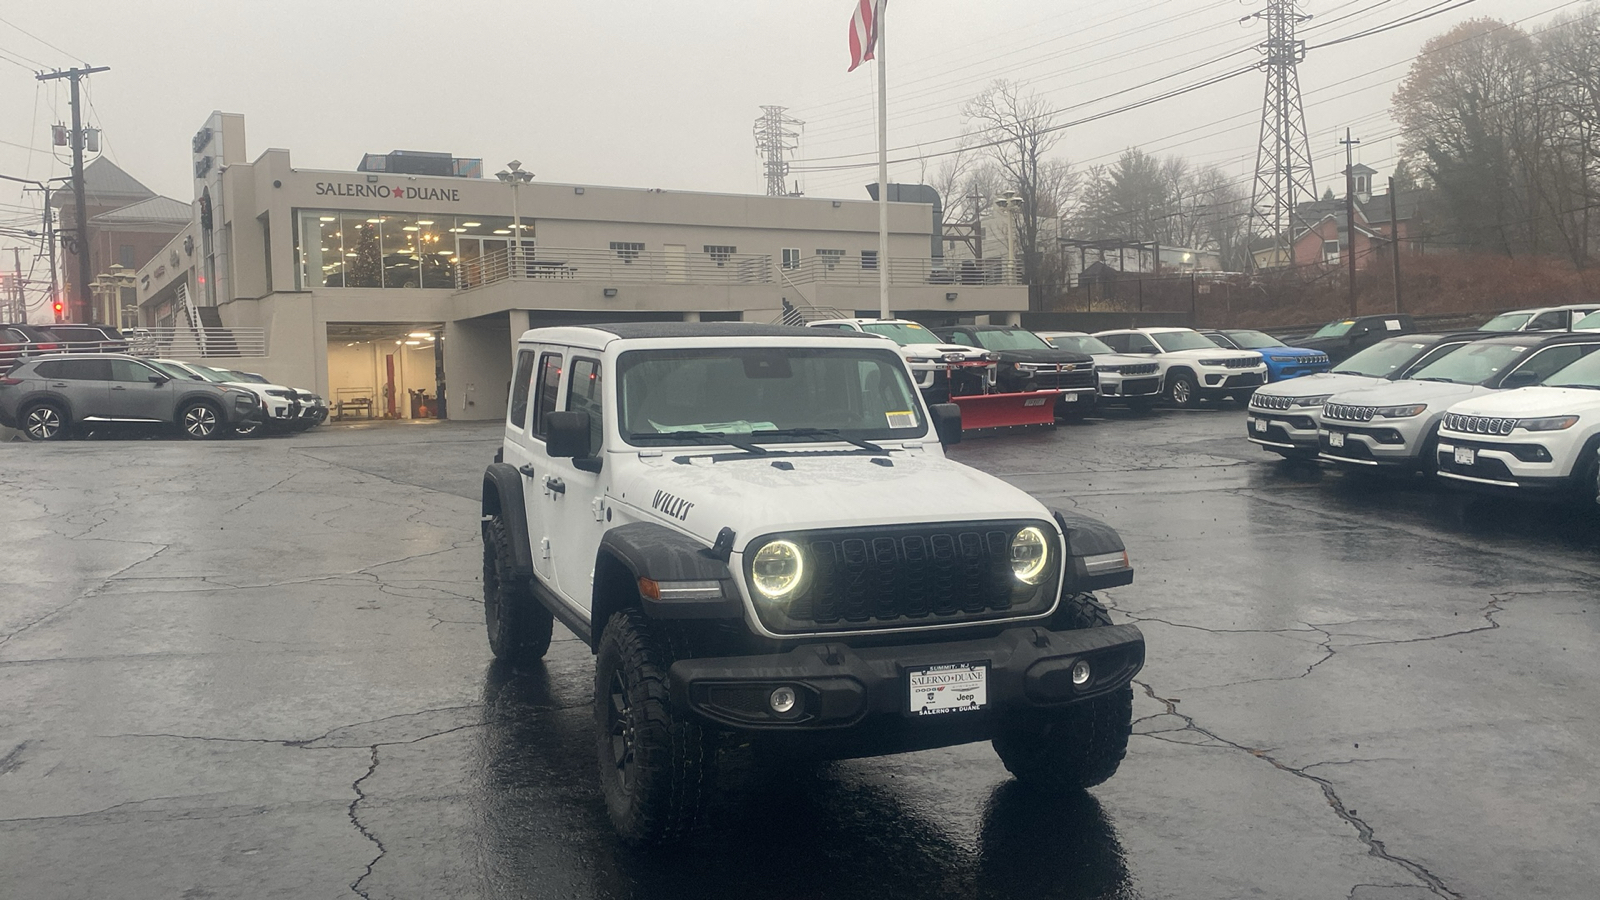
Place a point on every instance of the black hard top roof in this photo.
(716, 329)
(985, 328)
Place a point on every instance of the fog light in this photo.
(1080, 673)
(783, 699)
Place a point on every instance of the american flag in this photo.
(791, 316)
(864, 31)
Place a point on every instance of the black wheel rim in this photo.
(200, 421)
(619, 721)
(44, 423)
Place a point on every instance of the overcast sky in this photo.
(664, 94)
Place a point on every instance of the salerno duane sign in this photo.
(385, 192)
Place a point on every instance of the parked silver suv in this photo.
(49, 397)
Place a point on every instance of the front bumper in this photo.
(1215, 382)
(1283, 431)
(1395, 443)
(1499, 466)
(857, 699)
(1120, 386)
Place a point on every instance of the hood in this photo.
(1532, 403)
(1319, 384)
(927, 351)
(1043, 356)
(1437, 394)
(261, 388)
(814, 490)
(1214, 353)
(1290, 351)
(1122, 359)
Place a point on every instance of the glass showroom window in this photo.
(398, 237)
(436, 242)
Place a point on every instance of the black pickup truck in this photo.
(1344, 337)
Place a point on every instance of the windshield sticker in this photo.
(1392, 324)
(901, 418)
(676, 507)
(739, 427)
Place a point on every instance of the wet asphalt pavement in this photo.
(258, 669)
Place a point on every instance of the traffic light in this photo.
(57, 308)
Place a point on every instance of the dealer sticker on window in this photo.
(955, 687)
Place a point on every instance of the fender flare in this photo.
(1090, 539)
(654, 551)
(502, 492)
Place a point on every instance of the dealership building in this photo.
(398, 289)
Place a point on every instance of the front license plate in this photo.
(1035, 401)
(1069, 398)
(1259, 424)
(1466, 456)
(1335, 439)
(955, 687)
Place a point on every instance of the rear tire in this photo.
(200, 421)
(1059, 751)
(45, 422)
(656, 769)
(519, 625)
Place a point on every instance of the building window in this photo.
(720, 254)
(869, 259)
(830, 258)
(1363, 184)
(1330, 251)
(125, 256)
(791, 257)
(627, 251)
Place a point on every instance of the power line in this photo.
(37, 38)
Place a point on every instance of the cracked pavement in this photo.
(257, 668)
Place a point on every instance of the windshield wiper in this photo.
(1349, 372)
(739, 441)
(829, 433)
(1586, 387)
(1437, 378)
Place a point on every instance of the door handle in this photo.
(555, 485)
(60, 384)
(526, 470)
(119, 388)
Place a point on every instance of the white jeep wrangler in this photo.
(757, 532)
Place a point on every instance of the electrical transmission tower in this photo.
(1283, 161)
(776, 137)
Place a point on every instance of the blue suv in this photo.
(1283, 361)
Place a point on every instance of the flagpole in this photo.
(883, 168)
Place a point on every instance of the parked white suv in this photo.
(928, 355)
(1284, 415)
(1192, 367)
(1397, 425)
(1544, 318)
(278, 406)
(1534, 440)
(1134, 380)
(757, 531)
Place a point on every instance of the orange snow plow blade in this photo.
(1006, 410)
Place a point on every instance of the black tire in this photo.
(1059, 751)
(1183, 391)
(45, 422)
(1586, 478)
(199, 420)
(519, 625)
(656, 769)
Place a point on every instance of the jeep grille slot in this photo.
(908, 577)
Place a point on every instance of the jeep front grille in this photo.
(1479, 424)
(1268, 401)
(1345, 413)
(1242, 362)
(906, 576)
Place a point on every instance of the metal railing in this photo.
(614, 266)
(904, 271)
(188, 343)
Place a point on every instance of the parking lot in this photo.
(258, 669)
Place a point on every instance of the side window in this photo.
(1117, 342)
(1549, 361)
(791, 257)
(547, 384)
(128, 370)
(1138, 343)
(583, 395)
(1548, 321)
(518, 414)
(86, 369)
(50, 368)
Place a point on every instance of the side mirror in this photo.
(159, 380)
(567, 435)
(1520, 379)
(946, 422)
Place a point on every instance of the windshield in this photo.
(1254, 340)
(1587, 323)
(1335, 329)
(1470, 363)
(1585, 373)
(1169, 341)
(1082, 343)
(175, 371)
(903, 333)
(671, 396)
(247, 376)
(215, 375)
(1381, 359)
(1506, 322)
(1009, 339)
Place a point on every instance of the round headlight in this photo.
(1030, 553)
(777, 569)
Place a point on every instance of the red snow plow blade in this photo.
(1006, 410)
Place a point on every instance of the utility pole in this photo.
(17, 296)
(1394, 244)
(79, 306)
(775, 137)
(1283, 158)
(1350, 213)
